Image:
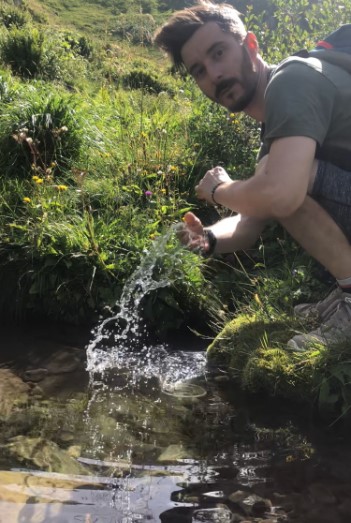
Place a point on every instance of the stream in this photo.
(108, 428)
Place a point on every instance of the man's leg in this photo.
(316, 231)
(318, 226)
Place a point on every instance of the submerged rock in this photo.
(173, 453)
(13, 391)
(43, 454)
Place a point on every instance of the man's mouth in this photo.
(223, 88)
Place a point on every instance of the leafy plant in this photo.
(23, 51)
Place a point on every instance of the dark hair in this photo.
(183, 24)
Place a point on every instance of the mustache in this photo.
(223, 85)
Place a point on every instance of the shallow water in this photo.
(147, 432)
(199, 451)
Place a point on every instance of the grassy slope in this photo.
(93, 21)
(89, 19)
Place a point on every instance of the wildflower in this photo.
(35, 178)
(148, 193)
(163, 191)
(173, 168)
(39, 180)
(61, 187)
(26, 199)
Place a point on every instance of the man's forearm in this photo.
(237, 233)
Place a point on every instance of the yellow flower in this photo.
(35, 178)
(39, 180)
(61, 187)
(163, 191)
(26, 199)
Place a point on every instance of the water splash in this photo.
(119, 341)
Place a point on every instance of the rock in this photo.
(173, 453)
(213, 515)
(37, 392)
(260, 507)
(345, 509)
(251, 504)
(74, 451)
(36, 489)
(35, 375)
(238, 496)
(44, 454)
(13, 391)
(64, 361)
(323, 515)
(65, 436)
(321, 495)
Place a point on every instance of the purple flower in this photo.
(148, 193)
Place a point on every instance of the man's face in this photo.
(221, 66)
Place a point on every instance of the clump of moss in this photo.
(252, 347)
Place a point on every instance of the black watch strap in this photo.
(211, 240)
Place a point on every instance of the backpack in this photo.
(335, 48)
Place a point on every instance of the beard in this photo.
(248, 82)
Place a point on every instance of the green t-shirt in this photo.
(310, 97)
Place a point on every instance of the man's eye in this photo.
(198, 73)
(219, 53)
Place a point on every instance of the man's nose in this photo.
(215, 73)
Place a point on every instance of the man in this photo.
(300, 181)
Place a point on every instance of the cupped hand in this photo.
(214, 177)
(191, 233)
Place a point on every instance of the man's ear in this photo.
(251, 44)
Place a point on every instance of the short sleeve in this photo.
(299, 101)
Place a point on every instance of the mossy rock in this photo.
(252, 348)
(247, 333)
(281, 373)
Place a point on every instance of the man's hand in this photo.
(212, 179)
(191, 233)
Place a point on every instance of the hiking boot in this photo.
(336, 328)
(323, 309)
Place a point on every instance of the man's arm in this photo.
(237, 233)
(231, 234)
(276, 190)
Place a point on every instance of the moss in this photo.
(252, 347)
(247, 333)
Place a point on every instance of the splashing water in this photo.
(119, 341)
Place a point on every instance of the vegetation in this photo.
(100, 149)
